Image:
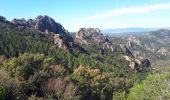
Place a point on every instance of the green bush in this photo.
(119, 96)
(26, 65)
(155, 87)
(4, 92)
(94, 83)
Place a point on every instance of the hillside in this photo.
(46, 63)
(153, 45)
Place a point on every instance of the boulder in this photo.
(132, 65)
(127, 58)
(60, 42)
(138, 61)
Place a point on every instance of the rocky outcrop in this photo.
(126, 50)
(132, 65)
(92, 36)
(47, 25)
(20, 22)
(60, 42)
(42, 24)
(132, 40)
(139, 64)
(163, 51)
(2, 19)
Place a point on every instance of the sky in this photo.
(103, 14)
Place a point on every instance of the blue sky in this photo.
(73, 14)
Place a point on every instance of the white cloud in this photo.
(128, 10)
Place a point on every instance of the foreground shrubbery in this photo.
(155, 87)
(37, 75)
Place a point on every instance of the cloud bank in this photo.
(128, 10)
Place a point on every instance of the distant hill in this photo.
(154, 45)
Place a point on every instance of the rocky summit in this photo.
(92, 36)
(44, 24)
(62, 38)
(47, 24)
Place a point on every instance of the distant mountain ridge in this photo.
(127, 30)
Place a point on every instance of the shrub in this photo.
(155, 87)
(4, 92)
(93, 83)
(119, 95)
(25, 65)
(60, 89)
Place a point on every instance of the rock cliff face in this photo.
(92, 36)
(62, 38)
(44, 23)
